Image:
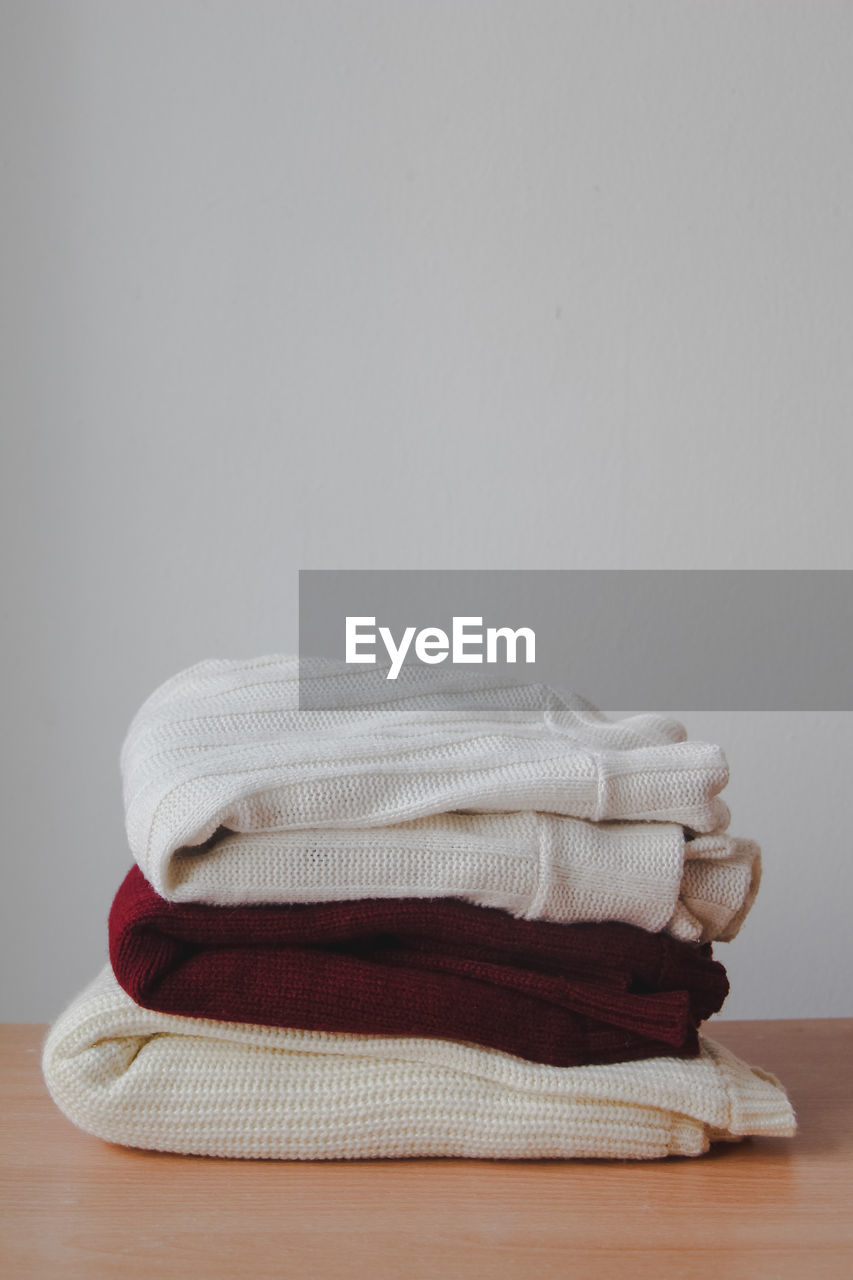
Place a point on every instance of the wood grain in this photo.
(73, 1206)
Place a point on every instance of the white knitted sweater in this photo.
(535, 865)
(144, 1079)
(224, 746)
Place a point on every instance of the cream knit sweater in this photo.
(535, 865)
(144, 1079)
(223, 747)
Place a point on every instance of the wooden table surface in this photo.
(75, 1206)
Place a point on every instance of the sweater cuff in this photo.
(758, 1104)
(721, 877)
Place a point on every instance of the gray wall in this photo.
(395, 284)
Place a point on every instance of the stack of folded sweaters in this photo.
(450, 919)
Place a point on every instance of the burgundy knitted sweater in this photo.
(555, 993)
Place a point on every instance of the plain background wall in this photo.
(408, 285)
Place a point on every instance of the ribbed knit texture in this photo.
(534, 865)
(146, 1079)
(224, 745)
(561, 994)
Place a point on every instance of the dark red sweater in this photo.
(555, 993)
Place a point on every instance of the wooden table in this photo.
(73, 1206)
